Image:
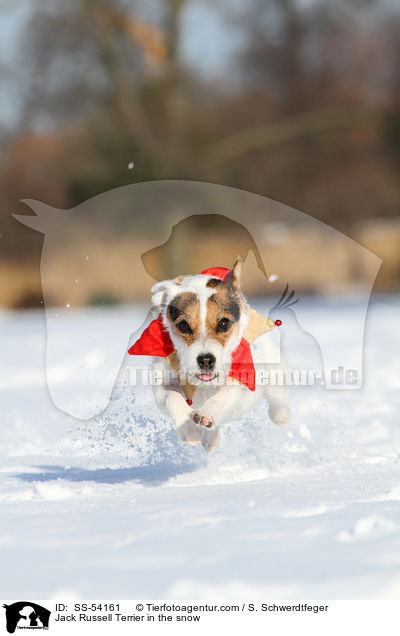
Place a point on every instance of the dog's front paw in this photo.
(189, 433)
(203, 421)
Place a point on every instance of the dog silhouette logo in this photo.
(179, 227)
(26, 615)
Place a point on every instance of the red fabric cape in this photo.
(155, 341)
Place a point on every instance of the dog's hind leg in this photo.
(278, 399)
(210, 439)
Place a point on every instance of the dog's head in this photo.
(205, 317)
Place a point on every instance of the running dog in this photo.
(201, 346)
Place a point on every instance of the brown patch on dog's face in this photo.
(214, 282)
(224, 309)
(183, 314)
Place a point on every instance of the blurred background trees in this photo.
(297, 100)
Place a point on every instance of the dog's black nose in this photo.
(206, 361)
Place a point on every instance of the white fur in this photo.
(222, 399)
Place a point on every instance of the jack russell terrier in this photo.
(202, 355)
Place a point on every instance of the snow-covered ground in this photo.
(118, 508)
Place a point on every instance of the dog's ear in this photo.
(164, 291)
(234, 277)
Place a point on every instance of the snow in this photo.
(117, 508)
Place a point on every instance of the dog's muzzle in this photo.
(206, 362)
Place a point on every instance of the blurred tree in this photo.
(108, 82)
(307, 115)
(308, 127)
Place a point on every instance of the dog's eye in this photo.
(184, 327)
(224, 324)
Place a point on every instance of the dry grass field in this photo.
(309, 264)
